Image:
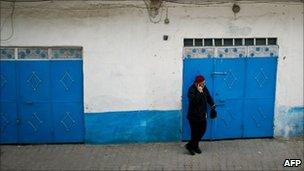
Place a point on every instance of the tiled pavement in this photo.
(248, 154)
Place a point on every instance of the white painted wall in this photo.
(127, 65)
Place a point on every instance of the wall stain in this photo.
(289, 121)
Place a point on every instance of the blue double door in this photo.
(243, 90)
(41, 101)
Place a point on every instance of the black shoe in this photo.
(191, 151)
(198, 150)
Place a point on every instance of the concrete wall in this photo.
(127, 65)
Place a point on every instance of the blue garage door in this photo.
(242, 83)
(42, 95)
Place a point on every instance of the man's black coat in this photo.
(198, 103)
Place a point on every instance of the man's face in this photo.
(201, 84)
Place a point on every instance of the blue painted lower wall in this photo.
(165, 126)
(289, 121)
(132, 127)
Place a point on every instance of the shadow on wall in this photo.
(289, 122)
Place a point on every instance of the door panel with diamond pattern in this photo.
(8, 81)
(261, 77)
(259, 97)
(258, 117)
(34, 105)
(8, 118)
(229, 120)
(68, 122)
(35, 123)
(8, 102)
(34, 81)
(67, 100)
(228, 78)
(66, 78)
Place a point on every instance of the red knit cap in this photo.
(199, 78)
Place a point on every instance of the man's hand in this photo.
(213, 113)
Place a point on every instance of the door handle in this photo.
(219, 73)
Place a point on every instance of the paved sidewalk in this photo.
(249, 154)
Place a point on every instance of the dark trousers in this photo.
(198, 129)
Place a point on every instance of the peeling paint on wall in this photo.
(289, 121)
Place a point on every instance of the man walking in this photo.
(199, 96)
